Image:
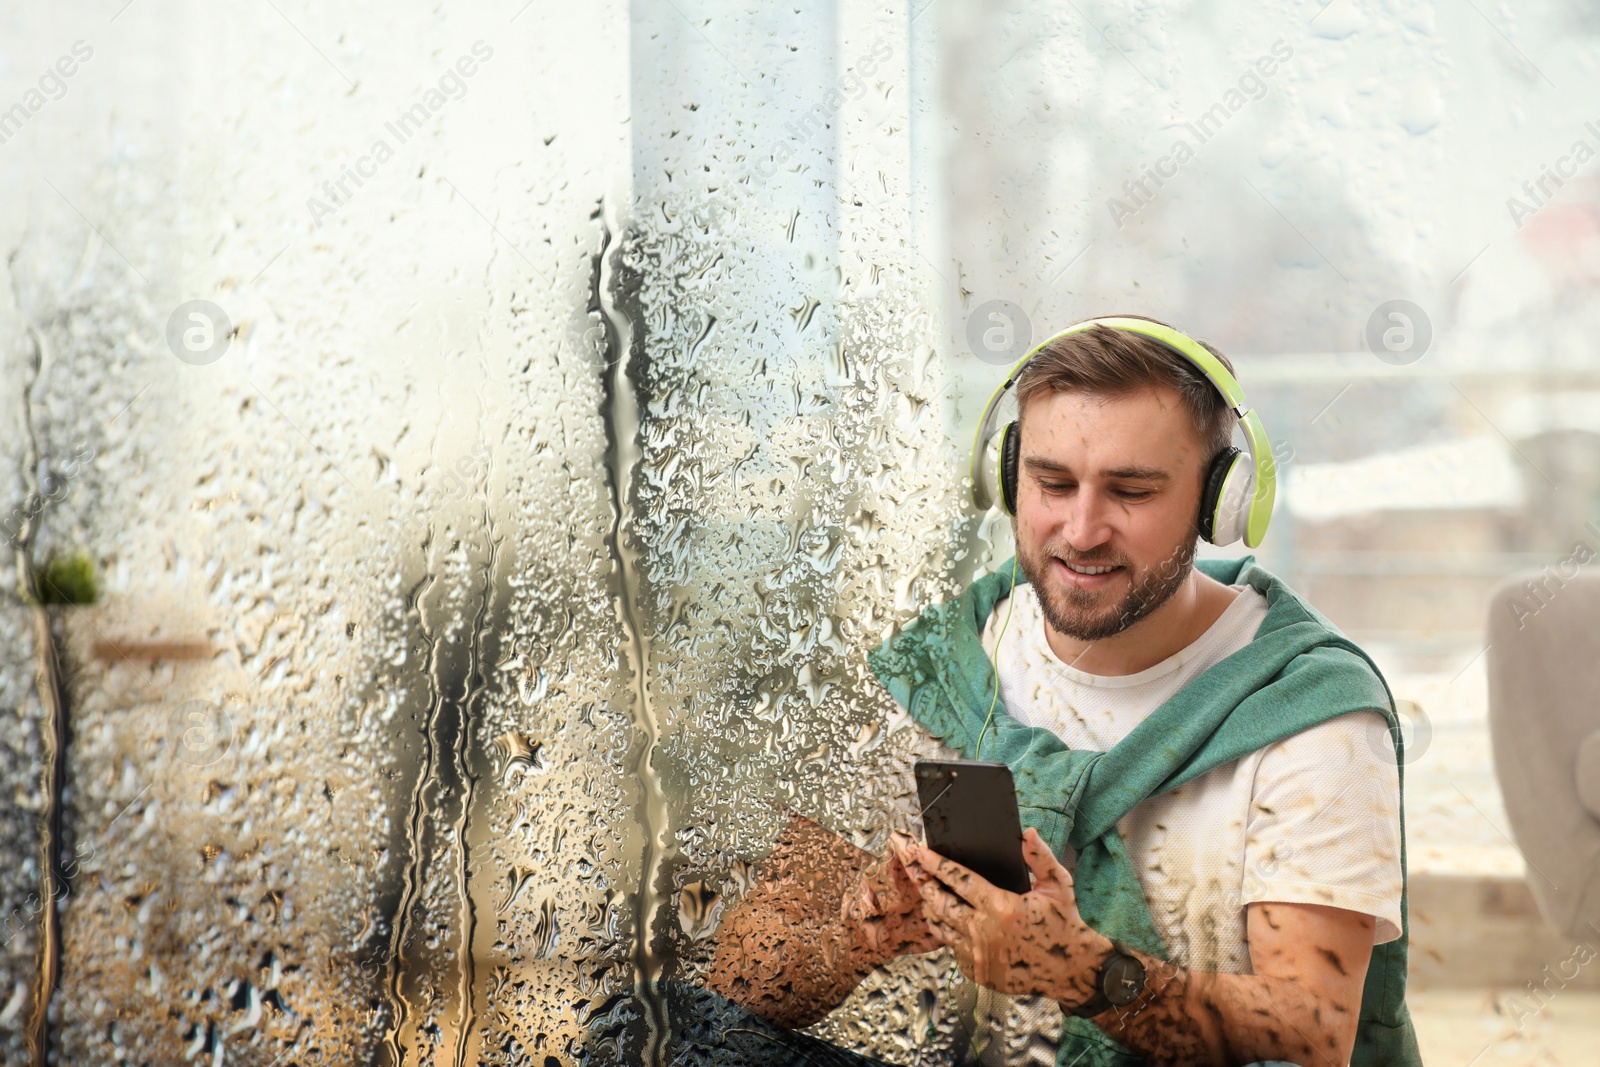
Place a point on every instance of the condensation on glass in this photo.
(463, 627)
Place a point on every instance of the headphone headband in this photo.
(1229, 516)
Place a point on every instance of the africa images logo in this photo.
(1566, 168)
(52, 85)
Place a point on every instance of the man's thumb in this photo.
(1042, 862)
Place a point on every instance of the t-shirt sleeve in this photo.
(1324, 823)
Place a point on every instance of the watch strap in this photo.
(1100, 1002)
(1091, 1007)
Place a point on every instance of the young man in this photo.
(1214, 764)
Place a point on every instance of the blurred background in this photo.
(456, 459)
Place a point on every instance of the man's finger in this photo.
(865, 903)
(902, 848)
(907, 879)
(905, 862)
(944, 933)
(961, 881)
(940, 903)
(1042, 862)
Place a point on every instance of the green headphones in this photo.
(1237, 497)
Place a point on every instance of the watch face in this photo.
(1122, 980)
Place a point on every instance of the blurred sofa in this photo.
(1544, 723)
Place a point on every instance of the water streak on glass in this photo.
(625, 350)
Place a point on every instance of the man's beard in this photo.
(1072, 611)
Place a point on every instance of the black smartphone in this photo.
(969, 814)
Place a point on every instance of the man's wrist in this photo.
(1101, 949)
(1163, 981)
(1083, 984)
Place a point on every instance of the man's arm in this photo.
(1301, 1004)
(824, 914)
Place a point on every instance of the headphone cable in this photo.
(1011, 602)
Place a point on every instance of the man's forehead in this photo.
(1147, 430)
(1157, 402)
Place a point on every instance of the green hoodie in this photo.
(1297, 672)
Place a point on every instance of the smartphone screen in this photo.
(969, 814)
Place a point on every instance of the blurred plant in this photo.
(68, 580)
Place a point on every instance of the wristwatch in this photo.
(1119, 983)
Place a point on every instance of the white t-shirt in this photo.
(1313, 819)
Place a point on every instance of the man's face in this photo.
(1108, 489)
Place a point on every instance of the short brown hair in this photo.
(1106, 361)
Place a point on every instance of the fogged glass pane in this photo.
(486, 529)
(352, 740)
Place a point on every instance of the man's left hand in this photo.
(1033, 943)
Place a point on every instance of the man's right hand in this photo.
(884, 911)
(823, 915)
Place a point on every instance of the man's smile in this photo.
(1087, 575)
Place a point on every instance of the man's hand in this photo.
(823, 914)
(1300, 1005)
(1033, 943)
(885, 908)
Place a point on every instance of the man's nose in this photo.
(1088, 522)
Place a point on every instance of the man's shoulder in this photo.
(1291, 619)
(1285, 605)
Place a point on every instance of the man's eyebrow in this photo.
(1040, 465)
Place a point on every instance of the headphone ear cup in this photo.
(1010, 450)
(1216, 526)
